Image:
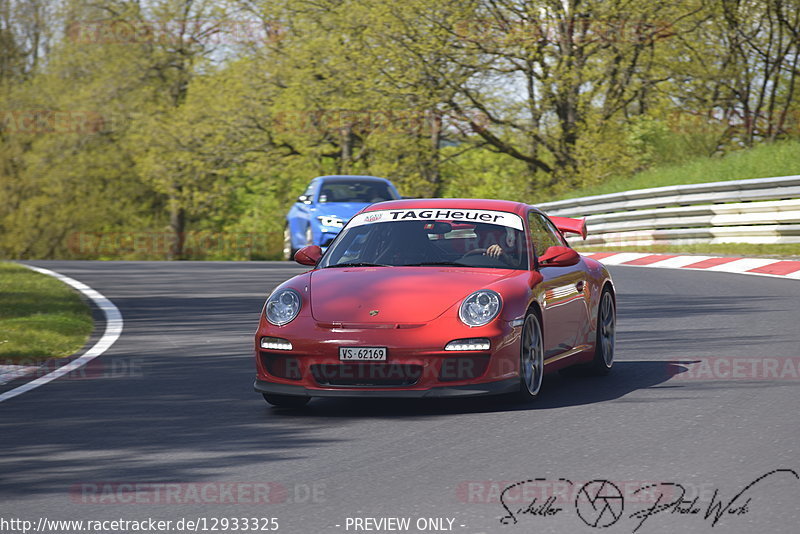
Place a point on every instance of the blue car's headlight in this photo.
(480, 308)
(283, 306)
(332, 220)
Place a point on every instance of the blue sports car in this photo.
(327, 204)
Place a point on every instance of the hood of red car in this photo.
(408, 295)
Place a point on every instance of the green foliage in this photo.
(774, 159)
(483, 174)
(656, 142)
(191, 135)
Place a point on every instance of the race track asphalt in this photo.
(172, 403)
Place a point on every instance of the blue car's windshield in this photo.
(427, 243)
(367, 191)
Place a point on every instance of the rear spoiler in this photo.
(569, 225)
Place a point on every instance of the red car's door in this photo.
(564, 304)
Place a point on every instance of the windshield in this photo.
(366, 191)
(372, 240)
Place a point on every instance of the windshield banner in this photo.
(501, 218)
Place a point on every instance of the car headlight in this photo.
(334, 221)
(283, 306)
(480, 308)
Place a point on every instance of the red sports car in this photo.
(436, 298)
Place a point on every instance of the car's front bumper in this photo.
(417, 363)
(470, 390)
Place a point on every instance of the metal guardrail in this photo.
(763, 210)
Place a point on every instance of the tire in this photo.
(606, 335)
(288, 250)
(286, 401)
(531, 359)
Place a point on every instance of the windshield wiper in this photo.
(433, 263)
(358, 264)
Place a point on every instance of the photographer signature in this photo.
(600, 503)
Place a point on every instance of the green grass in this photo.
(763, 161)
(40, 317)
(787, 251)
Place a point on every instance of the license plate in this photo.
(362, 354)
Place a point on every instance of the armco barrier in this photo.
(763, 210)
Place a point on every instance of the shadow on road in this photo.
(175, 427)
(557, 392)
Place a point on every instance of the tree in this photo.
(540, 74)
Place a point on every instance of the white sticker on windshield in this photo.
(501, 218)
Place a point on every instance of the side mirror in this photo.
(559, 257)
(309, 255)
(305, 199)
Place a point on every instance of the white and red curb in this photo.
(757, 266)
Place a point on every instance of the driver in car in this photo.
(496, 242)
